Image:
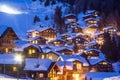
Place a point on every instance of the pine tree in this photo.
(47, 2)
(58, 19)
(33, 0)
(53, 2)
(109, 48)
(46, 17)
(36, 19)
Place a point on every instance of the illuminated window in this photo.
(41, 75)
(31, 51)
(104, 63)
(79, 66)
(42, 56)
(32, 75)
(50, 57)
(6, 50)
(14, 68)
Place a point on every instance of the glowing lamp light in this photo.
(18, 58)
(76, 76)
(8, 9)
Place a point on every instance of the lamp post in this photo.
(18, 59)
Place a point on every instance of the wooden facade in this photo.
(33, 33)
(50, 74)
(7, 41)
(65, 51)
(48, 33)
(38, 40)
(57, 42)
(32, 51)
(103, 66)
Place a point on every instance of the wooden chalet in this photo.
(9, 66)
(90, 21)
(92, 53)
(76, 40)
(89, 16)
(32, 33)
(41, 69)
(93, 12)
(103, 66)
(29, 50)
(48, 33)
(57, 42)
(70, 20)
(77, 29)
(65, 51)
(65, 36)
(7, 37)
(38, 40)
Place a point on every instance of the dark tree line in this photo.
(110, 48)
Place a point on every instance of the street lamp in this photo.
(18, 59)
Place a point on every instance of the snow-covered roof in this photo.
(73, 58)
(92, 43)
(67, 64)
(45, 28)
(71, 14)
(95, 61)
(63, 48)
(31, 64)
(6, 77)
(57, 40)
(95, 19)
(53, 52)
(93, 25)
(21, 47)
(8, 59)
(37, 37)
(100, 75)
(90, 11)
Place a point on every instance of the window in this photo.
(6, 50)
(41, 75)
(32, 75)
(50, 57)
(14, 68)
(42, 56)
(104, 63)
(79, 66)
(31, 51)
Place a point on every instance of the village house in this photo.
(93, 12)
(92, 53)
(29, 50)
(90, 21)
(41, 69)
(93, 45)
(57, 42)
(74, 67)
(7, 37)
(52, 55)
(70, 20)
(77, 29)
(65, 36)
(37, 40)
(76, 40)
(88, 16)
(64, 51)
(110, 29)
(48, 33)
(103, 66)
(10, 66)
(32, 33)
